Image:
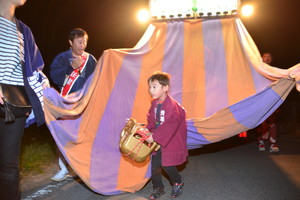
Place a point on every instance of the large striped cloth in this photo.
(217, 75)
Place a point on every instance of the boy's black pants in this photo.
(156, 167)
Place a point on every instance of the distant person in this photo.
(69, 71)
(267, 58)
(21, 67)
(267, 131)
(167, 127)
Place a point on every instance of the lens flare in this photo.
(143, 15)
(247, 10)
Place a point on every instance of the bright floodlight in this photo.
(143, 15)
(247, 10)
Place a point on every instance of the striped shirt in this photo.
(11, 53)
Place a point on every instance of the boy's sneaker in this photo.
(273, 148)
(261, 146)
(177, 189)
(157, 192)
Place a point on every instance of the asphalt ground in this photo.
(232, 169)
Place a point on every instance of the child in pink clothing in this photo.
(167, 124)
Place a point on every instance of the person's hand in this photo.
(145, 130)
(150, 139)
(45, 83)
(1, 98)
(77, 62)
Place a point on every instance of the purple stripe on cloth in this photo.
(68, 133)
(260, 82)
(106, 154)
(61, 137)
(173, 58)
(215, 67)
(63, 131)
(194, 139)
(254, 110)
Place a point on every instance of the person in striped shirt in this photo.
(21, 64)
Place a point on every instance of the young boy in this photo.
(167, 124)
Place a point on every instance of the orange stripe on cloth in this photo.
(151, 62)
(131, 176)
(219, 126)
(239, 75)
(193, 95)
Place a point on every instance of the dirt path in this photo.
(32, 180)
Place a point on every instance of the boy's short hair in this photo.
(162, 77)
(77, 32)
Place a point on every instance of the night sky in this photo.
(274, 27)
